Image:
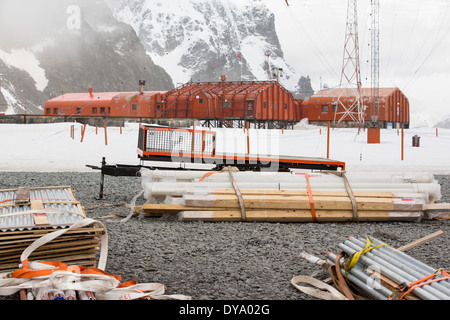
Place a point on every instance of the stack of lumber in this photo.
(26, 214)
(298, 196)
(292, 206)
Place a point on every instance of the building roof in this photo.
(222, 88)
(97, 96)
(339, 92)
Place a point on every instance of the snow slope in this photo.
(49, 147)
(25, 60)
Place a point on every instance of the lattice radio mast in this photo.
(375, 61)
(351, 75)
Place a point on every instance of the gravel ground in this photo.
(224, 260)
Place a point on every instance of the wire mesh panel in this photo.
(171, 141)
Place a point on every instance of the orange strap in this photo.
(422, 282)
(7, 200)
(311, 200)
(208, 174)
(26, 272)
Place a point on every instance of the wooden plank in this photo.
(50, 245)
(420, 241)
(437, 207)
(59, 251)
(37, 233)
(170, 208)
(302, 202)
(37, 204)
(296, 216)
(27, 242)
(22, 195)
(390, 284)
(56, 256)
(40, 219)
(86, 260)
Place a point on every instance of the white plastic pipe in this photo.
(382, 177)
(394, 273)
(431, 192)
(414, 272)
(361, 279)
(177, 183)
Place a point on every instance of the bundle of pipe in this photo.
(381, 272)
(172, 183)
(289, 196)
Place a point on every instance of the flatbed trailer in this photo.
(199, 147)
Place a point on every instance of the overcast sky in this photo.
(414, 46)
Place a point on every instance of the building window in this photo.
(264, 105)
(94, 110)
(102, 110)
(109, 110)
(134, 106)
(48, 111)
(275, 105)
(324, 109)
(285, 106)
(55, 110)
(227, 104)
(78, 110)
(335, 108)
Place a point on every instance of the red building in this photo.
(323, 106)
(113, 104)
(217, 103)
(262, 102)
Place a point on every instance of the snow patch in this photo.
(25, 60)
(11, 101)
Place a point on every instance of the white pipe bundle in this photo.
(188, 176)
(158, 183)
(297, 196)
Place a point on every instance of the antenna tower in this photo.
(375, 61)
(350, 75)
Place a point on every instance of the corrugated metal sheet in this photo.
(261, 100)
(58, 204)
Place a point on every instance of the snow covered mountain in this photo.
(203, 40)
(443, 123)
(67, 46)
(71, 45)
